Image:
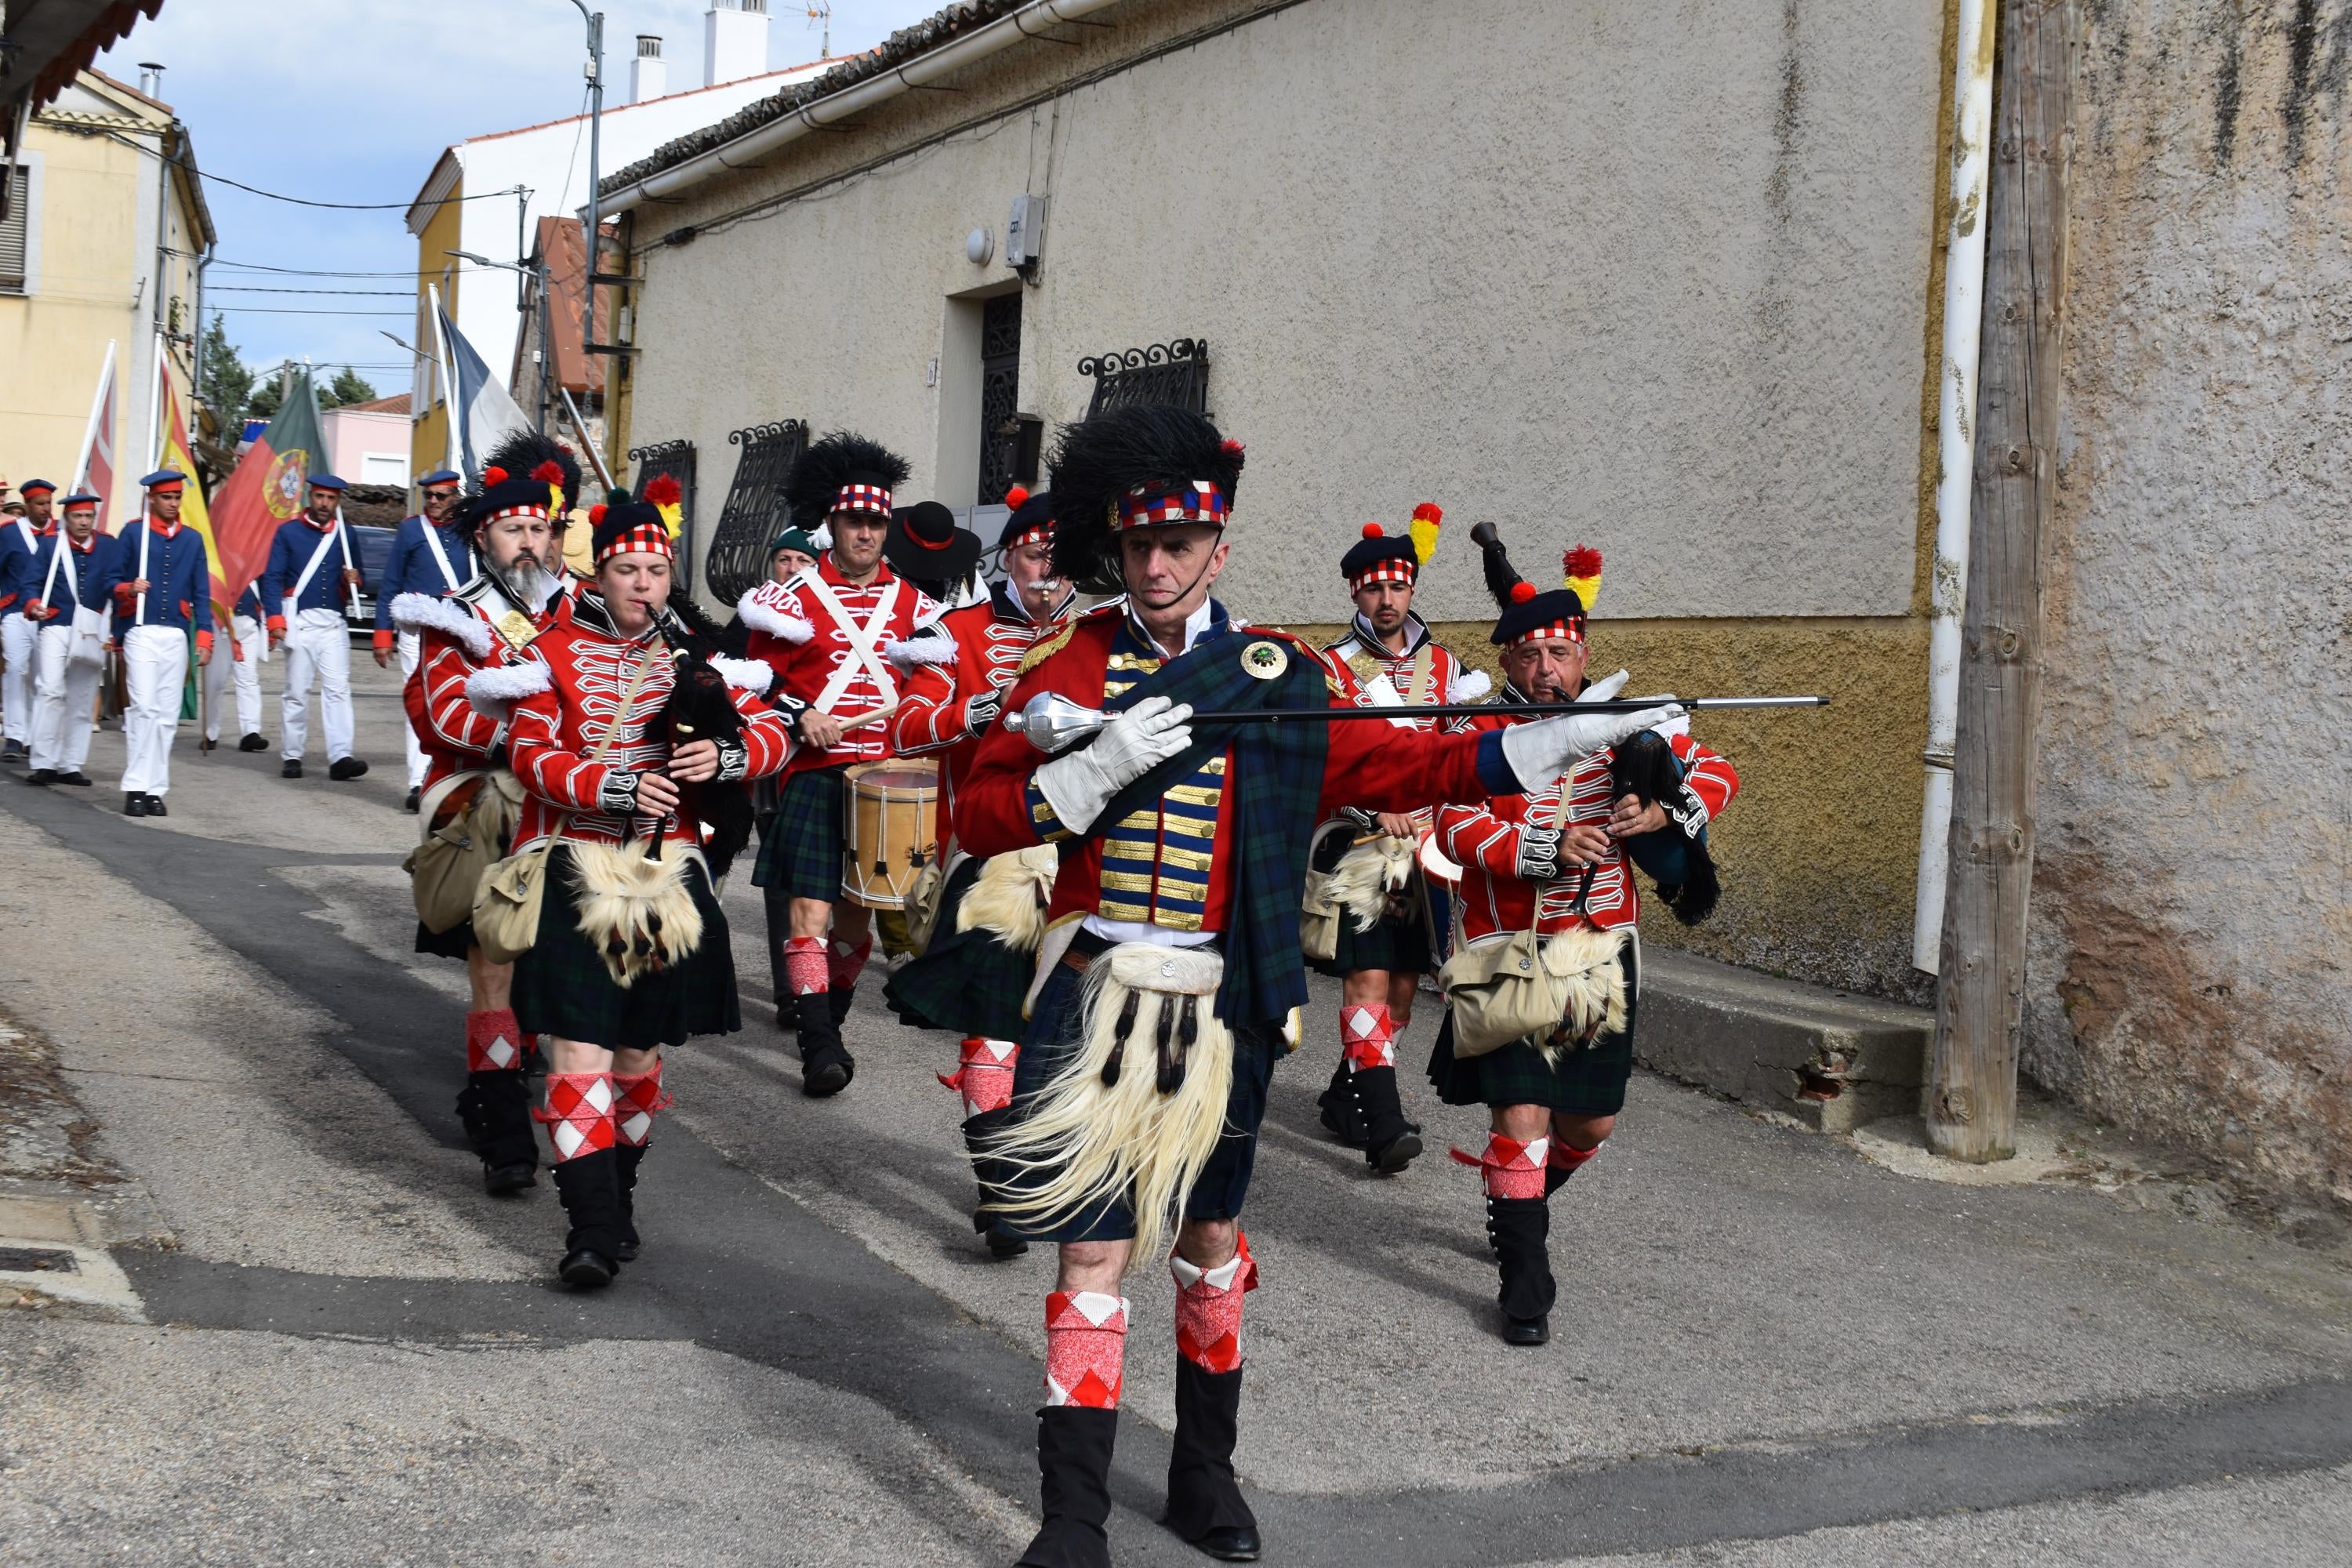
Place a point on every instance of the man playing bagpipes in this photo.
(975, 964)
(631, 949)
(826, 633)
(1375, 911)
(511, 527)
(1547, 876)
(1171, 961)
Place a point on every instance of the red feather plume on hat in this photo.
(663, 490)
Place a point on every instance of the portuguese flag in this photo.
(266, 490)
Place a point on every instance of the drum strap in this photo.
(862, 642)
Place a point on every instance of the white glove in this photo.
(1078, 784)
(1604, 689)
(1543, 751)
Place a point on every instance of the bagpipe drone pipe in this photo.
(1647, 767)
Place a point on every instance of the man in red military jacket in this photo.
(828, 634)
(1559, 857)
(516, 592)
(974, 968)
(1139, 1093)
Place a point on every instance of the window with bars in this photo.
(1159, 373)
(753, 512)
(1000, 393)
(675, 458)
(13, 230)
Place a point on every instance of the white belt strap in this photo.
(49, 583)
(311, 570)
(441, 557)
(862, 640)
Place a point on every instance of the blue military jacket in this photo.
(181, 595)
(289, 552)
(412, 570)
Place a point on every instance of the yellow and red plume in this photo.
(1427, 518)
(1580, 573)
(551, 474)
(663, 494)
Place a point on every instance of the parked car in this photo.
(372, 552)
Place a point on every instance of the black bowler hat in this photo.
(924, 544)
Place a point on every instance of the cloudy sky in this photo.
(351, 101)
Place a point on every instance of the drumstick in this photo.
(873, 718)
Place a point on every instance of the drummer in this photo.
(828, 634)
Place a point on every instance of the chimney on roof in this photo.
(648, 73)
(151, 79)
(734, 40)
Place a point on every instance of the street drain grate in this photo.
(36, 1260)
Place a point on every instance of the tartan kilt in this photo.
(562, 986)
(802, 845)
(1589, 1082)
(968, 982)
(1401, 945)
(451, 943)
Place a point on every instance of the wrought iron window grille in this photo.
(753, 512)
(1173, 373)
(675, 458)
(1000, 394)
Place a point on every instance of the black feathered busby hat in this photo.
(527, 472)
(1143, 465)
(842, 472)
(1032, 518)
(1527, 613)
(925, 545)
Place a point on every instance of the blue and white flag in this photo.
(481, 414)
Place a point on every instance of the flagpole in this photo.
(454, 456)
(155, 405)
(89, 429)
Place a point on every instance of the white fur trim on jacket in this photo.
(1468, 686)
(930, 645)
(493, 691)
(764, 613)
(414, 612)
(754, 676)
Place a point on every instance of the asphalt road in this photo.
(1769, 1349)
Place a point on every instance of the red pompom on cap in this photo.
(596, 515)
(493, 475)
(548, 473)
(1018, 496)
(1371, 531)
(1522, 592)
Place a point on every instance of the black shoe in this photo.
(1519, 1229)
(253, 743)
(583, 1268)
(1391, 1158)
(290, 770)
(827, 1066)
(12, 751)
(1074, 1450)
(501, 1180)
(630, 1155)
(42, 776)
(345, 768)
(415, 793)
(1204, 1500)
(207, 743)
(155, 806)
(78, 778)
(135, 805)
(588, 1186)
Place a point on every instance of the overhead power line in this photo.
(286, 310)
(257, 289)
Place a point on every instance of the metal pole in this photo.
(595, 127)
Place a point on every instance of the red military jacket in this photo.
(1164, 866)
(966, 653)
(812, 653)
(458, 634)
(565, 692)
(1441, 679)
(1494, 900)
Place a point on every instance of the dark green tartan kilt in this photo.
(802, 845)
(968, 982)
(562, 986)
(1401, 945)
(452, 943)
(1589, 1082)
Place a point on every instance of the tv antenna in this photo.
(820, 13)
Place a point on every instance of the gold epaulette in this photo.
(1046, 647)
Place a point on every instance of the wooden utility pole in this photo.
(1972, 1094)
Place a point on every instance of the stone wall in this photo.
(2193, 891)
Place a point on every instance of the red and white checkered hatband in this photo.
(1389, 571)
(644, 539)
(1572, 630)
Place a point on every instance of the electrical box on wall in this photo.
(1024, 232)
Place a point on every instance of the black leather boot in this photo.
(628, 1157)
(1340, 1117)
(842, 996)
(495, 1109)
(827, 1066)
(590, 1187)
(1391, 1142)
(1074, 1448)
(1520, 1229)
(1204, 1501)
(978, 1130)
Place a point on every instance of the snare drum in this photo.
(892, 815)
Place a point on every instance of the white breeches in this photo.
(155, 669)
(63, 697)
(246, 670)
(16, 685)
(412, 654)
(318, 649)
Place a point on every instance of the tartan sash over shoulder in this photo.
(1273, 783)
